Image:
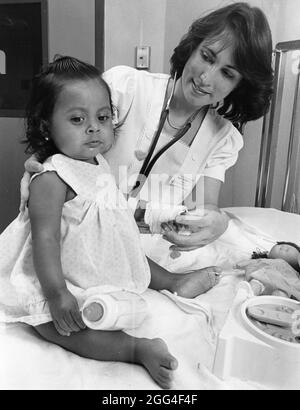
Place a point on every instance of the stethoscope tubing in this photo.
(162, 120)
(148, 162)
(177, 137)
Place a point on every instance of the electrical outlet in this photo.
(142, 57)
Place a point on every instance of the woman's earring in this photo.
(114, 123)
(47, 138)
(114, 118)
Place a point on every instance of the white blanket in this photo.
(28, 362)
(237, 243)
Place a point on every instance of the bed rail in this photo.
(270, 137)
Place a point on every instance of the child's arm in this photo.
(47, 196)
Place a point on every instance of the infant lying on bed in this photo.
(236, 244)
(276, 264)
(276, 272)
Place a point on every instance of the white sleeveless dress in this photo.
(100, 243)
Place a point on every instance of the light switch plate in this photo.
(142, 57)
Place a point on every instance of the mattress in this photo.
(28, 362)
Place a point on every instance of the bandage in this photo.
(158, 213)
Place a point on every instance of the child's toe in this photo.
(164, 382)
(166, 374)
(170, 362)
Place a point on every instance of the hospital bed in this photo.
(191, 331)
(28, 362)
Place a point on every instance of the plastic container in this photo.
(246, 352)
(114, 311)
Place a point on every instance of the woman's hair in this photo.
(247, 30)
(45, 90)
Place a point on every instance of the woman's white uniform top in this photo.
(138, 97)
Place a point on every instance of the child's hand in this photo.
(65, 313)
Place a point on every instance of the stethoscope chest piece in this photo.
(147, 157)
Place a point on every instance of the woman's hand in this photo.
(205, 229)
(65, 313)
(274, 274)
(31, 166)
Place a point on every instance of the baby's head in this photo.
(70, 111)
(288, 251)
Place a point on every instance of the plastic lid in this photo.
(93, 312)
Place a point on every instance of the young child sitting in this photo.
(78, 233)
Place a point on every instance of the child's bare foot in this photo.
(154, 355)
(190, 285)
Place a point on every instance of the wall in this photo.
(12, 158)
(72, 29)
(288, 23)
(72, 32)
(132, 23)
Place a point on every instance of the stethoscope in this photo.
(148, 162)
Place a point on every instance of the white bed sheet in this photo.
(28, 362)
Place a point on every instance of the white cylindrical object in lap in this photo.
(114, 311)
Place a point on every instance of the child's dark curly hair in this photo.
(45, 89)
